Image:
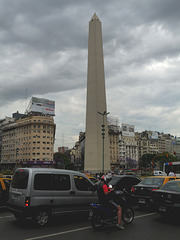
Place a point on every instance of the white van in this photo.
(38, 193)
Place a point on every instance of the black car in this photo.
(167, 198)
(121, 182)
(142, 192)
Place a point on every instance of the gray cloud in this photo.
(43, 48)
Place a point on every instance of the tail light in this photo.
(27, 202)
(154, 189)
(133, 190)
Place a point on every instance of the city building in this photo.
(113, 134)
(62, 149)
(3, 123)
(29, 141)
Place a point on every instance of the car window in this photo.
(153, 181)
(82, 184)
(171, 186)
(42, 181)
(94, 180)
(20, 180)
(170, 179)
(61, 182)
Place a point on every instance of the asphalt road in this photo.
(146, 226)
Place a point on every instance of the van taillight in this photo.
(132, 190)
(27, 201)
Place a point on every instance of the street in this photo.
(146, 226)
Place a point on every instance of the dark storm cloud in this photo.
(43, 45)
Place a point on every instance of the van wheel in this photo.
(42, 217)
(19, 217)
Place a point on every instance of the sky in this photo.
(44, 53)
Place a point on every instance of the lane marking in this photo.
(59, 233)
(145, 215)
(7, 216)
(78, 229)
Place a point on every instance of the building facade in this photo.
(28, 140)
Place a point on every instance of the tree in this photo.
(156, 160)
(146, 160)
(161, 158)
(131, 163)
(61, 160)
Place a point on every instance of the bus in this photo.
(172, 167)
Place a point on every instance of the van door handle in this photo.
(72, 192)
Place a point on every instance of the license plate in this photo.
(162, 209)
(141, 200)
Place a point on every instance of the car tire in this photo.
(19, 216)
(42, 216)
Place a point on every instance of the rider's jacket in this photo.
(103, 198)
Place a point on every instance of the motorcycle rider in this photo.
(105, 198)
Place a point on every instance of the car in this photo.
(93, 179)
(38, 193)
(4, 190)
(159, 173)
(167, 199)
(121, 182)
(142, 192)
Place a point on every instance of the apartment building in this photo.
(128, 151)
(30, 138)
(113, 135)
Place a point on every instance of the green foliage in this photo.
(146, 160)
(63, 161)
(7, 172)
(156, 160)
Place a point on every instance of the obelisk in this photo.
(97, 156)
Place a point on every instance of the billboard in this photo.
(127, 130)
(42, 105)
(153, 135)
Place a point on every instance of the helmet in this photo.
(103, 178)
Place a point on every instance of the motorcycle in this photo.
(101, 216)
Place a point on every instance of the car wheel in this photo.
(42, 217)
(19, 216)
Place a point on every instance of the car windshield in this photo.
(153, 181)
(171, 186)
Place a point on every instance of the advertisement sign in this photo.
(152, 135)
(42, 105)
(128, 130)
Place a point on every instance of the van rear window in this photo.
(20, 180)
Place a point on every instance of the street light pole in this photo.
(103, 136)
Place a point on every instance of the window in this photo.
(52, 182)
(61, 182)
(20, 180)
(82, 184)
(42, 182)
